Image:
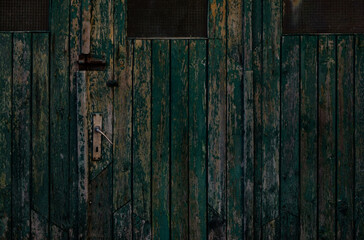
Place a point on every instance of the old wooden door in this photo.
(154, 97)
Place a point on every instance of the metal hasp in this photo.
(89, 62)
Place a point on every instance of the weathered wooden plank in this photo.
(76, 223)
(271, 118)
(216, 120)
(123, 64)
(122, 222)
(21, 135)
(257, 85)
(248, 118)
(142, 130)
(179, 139)
(160, 139)
(289, 172)
(101, 101)
(39, 226)
(326, 138)
(59, 119)
(100, 206)
(308, 138)
(359, 137)
(216, 149)
(123, 106)
(5, 134)
(101, 96)
(82, 154)
(234, 129)
(197, 140)
(345, 139)
(40, 130)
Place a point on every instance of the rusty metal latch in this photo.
(90, 63)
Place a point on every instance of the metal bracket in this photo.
(88, 62)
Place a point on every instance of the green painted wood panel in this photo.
(197, 119)
(327, 137)
(234, 110)
(161, 139)
(122, 129)
(345, 137)
(21, 136)
(271, 93)
(59, 120)
(5, 133)
(101, 96)
(40, 136)
(82, 154)
(359, 138)
(100, 202)
(248, 120)
(142, 142)
(289, 147)
(216, 120)
(179, 139)
(257, 45)
(76, 217)
(245, 135)
(308, 137)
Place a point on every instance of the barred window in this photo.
(166, 18)
(24, 15)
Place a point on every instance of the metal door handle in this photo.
(97, 129)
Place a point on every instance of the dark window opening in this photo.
(166, 18)
(323, 16)
(24, 15)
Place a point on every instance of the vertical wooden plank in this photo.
(359, 137)
(122, 155)
(5, 134)
(40, 134)
(101, 96)
(179, 139)
(234, 129)
(197, 140)
(345, 143)
(271, 118)
(257, 42)
(160, 139)
(82, 153)
(248, 120)
(101, 101)
(123, 104)
(123, 59)
(142, 130)
(327, 137)
(77, 223)
(289, 173)
(59, 119)
(21, 129)
(216, 143)
(308, 138)
(99, 213)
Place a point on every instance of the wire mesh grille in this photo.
(167, 18)
(24, 15)
(323, 16)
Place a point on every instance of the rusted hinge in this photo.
(90, 63)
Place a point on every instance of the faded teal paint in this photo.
(210, 136)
